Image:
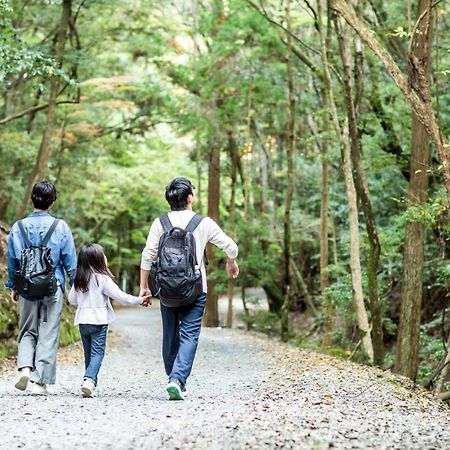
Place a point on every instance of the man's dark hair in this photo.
(43, 195)
(177, 193)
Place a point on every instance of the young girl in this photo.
(93, 287)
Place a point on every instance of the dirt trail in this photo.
(245, 392)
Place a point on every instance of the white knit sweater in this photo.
(94, 306)
(207, 231)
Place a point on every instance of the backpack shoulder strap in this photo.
(166, 223)
(24, 235)
(50, 232)
(191, 226)
(194, 223)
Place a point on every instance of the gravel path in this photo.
(246, 392)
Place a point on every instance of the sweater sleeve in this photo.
(111, 290)
(73, 297)
(151, 247)
(217, 237)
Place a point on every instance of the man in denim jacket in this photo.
(38, 340)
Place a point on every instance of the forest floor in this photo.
(246, 392)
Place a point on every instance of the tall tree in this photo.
(290, 184)
(352, 105)
(211, 318)
(323, 144)
(232, 222)
(407, 352)
(355, 262)
(40, 168)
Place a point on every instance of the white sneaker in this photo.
(22, 380)
(38, 389)
(87, 388)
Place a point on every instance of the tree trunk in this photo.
(275, 296)
(362, 190)
(328, 307)
(4, 202)
(290, 185)
(245, 306)
(445, 370)
(407, 351)
(263, 175)
(324, 247)
(41, 166)
(211, 318)
(297, 275)
(232, 223)
(355, 263)
(198, 153)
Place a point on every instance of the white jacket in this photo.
(207, 231)
(94, 306)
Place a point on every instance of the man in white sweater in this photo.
(181, 325)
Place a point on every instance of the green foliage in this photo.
(8, 324)
(263, 322)
(432, 348)
(340, 291)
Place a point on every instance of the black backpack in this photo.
(175, 276)
(35, 278)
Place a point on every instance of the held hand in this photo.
(146, 300)
(14, 297)
(144, 292)
(232, 268)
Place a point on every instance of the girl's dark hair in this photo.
(177, 193)
(43, 195)
(91, 259)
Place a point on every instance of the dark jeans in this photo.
(94, 344)
(181, 330)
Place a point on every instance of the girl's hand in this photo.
(146, 300)
(14, 297)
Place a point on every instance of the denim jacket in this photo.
(61, 244)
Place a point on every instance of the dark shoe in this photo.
(175, 389)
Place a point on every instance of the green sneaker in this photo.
(175, 389)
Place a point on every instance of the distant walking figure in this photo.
(40, 249)
(174, 256)
(91, 291)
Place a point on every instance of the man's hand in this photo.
(145, 292)
(146, 300)
(232, 268)
(14, 297)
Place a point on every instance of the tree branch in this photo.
(417, 24)
(421, 104)
(302, 56)
(33, 109)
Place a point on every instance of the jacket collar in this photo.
(38, 213)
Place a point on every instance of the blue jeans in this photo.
(181, 330)
(94, 344)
